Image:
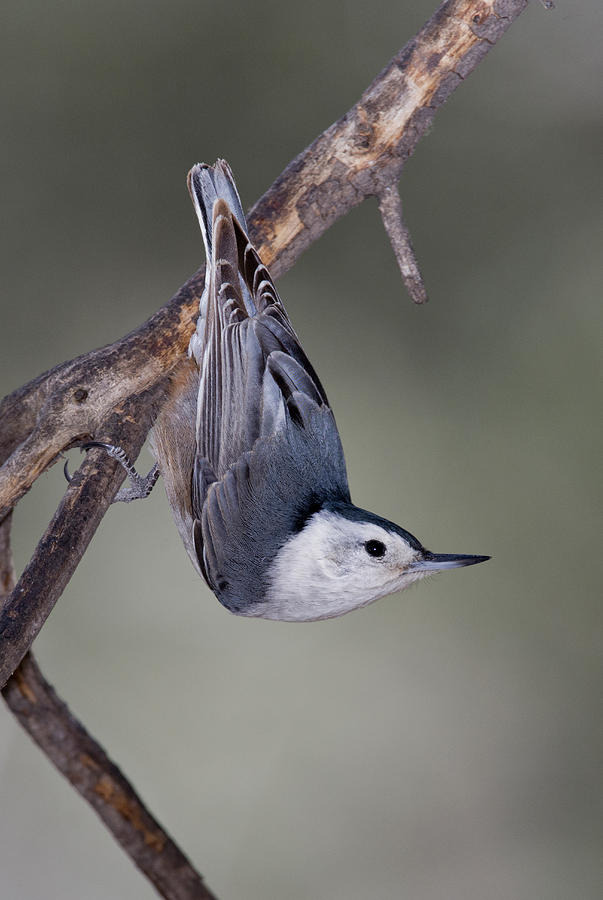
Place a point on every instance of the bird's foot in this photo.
(140, 485)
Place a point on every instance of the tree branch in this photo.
(390, 208)
(86, 500)
(87, 767)
(111, 394)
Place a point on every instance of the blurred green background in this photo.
(444, 744)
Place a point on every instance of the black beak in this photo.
(436, 562)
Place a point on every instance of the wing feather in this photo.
(256, 385)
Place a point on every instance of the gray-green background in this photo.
(439, 745)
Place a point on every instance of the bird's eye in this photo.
(375, 548)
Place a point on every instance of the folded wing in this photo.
(260, 401)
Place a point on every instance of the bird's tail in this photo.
(224, 229)
(206, 185)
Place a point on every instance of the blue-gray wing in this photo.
(264, 498)
(266, 436)
(249, 356)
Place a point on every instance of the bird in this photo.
(250, 454)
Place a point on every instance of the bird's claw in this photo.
(140, 486)
(68, 477)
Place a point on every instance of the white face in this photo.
(335, 565)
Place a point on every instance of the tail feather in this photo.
(206, 185)
(223, 226)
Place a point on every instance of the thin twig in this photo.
(390, 208)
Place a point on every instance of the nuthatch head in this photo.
(250, 453)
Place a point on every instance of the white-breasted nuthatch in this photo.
(250, 454)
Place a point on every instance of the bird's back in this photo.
(268, 452)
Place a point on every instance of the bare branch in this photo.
(87, 767)
(369, 145)
(73, 401)
(7, 569)
(390, 208)
(87, 498)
